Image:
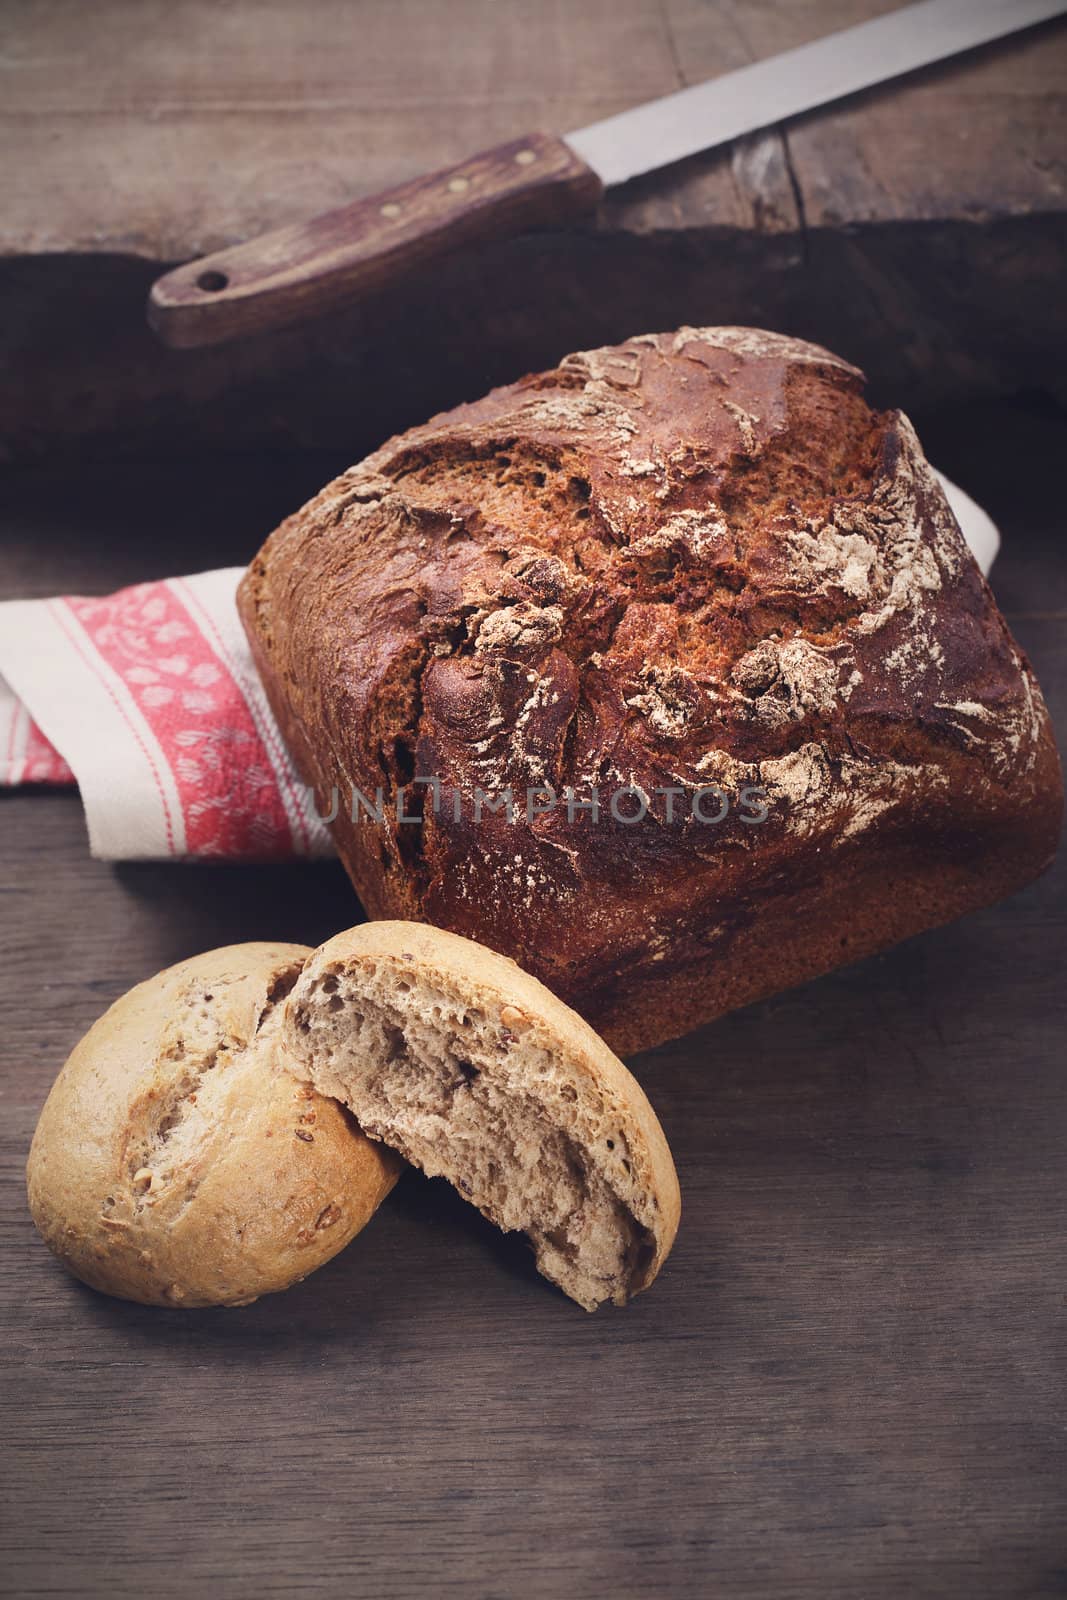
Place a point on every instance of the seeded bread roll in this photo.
(178, 1162)
(695, 574)
(476, 1073)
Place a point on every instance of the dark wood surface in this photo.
(849, 1380)
(919, 228)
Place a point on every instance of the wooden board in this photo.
(920, 228)
(850, 1379)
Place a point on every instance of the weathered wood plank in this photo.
(199, 125)
(921, 228)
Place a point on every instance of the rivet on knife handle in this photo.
(300, 271)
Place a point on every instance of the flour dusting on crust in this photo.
(696, 560)
(869, 563)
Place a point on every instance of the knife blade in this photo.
(783, 86)
(301, 271)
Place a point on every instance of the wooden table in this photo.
(850, 1379)
(920, 228)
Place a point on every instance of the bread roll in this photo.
(696, 583)
(476, 1073)
(177, 1162)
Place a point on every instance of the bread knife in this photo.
(308, 268)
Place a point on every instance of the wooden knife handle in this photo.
(311, 267)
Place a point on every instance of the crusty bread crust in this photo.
(694, 560)
(177, 1162)
(522, 1051)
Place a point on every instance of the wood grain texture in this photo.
(310, 269)
(850, 1378)
(920, 228)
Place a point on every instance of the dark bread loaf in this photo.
(696, 568)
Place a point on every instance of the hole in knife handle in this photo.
(212, 282)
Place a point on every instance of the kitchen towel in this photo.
(148, 700)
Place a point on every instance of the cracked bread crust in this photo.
(177, 1160)
(694, 561)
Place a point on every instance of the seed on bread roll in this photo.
(470, 1068)
(177, 1162)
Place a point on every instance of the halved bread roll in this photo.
(178, 1162)
(471, 1069)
